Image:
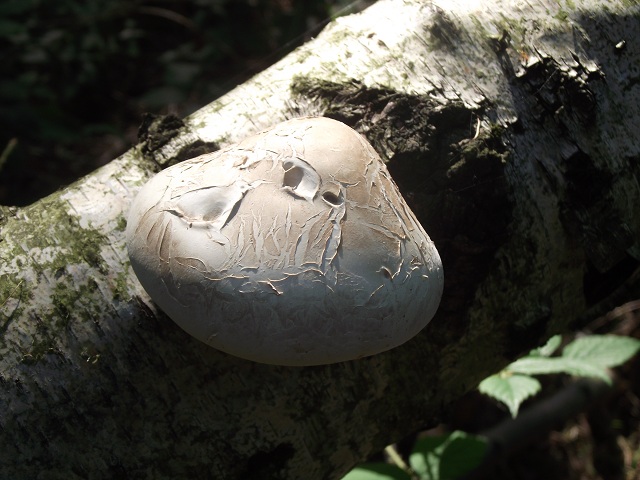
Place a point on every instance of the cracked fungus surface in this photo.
(293, 247)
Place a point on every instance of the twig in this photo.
(514, 434)
(397, 459)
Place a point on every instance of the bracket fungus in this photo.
(292, 247)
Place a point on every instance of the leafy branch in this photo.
(589, 356)
(458, 453)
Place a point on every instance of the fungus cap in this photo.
(292, 247)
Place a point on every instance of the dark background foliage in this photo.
(77, 75)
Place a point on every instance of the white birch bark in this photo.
(512, 129)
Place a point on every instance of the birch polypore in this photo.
(293, 247)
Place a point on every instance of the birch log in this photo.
(512, 129)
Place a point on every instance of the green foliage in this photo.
(605, 351)
(589, 356)
(447, 456)
(510, 389)
(439, 457)
(548, 348)
(456, 454)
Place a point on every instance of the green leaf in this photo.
(463, 453)
(605, 351)
(548, 348)
(447, 456)
(425, 457)
(511, 390)
(544, 366)
(376, 471)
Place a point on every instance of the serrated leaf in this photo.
(606, 351)
(545, 366)
(449, 456)
(548, 348)
(376, 471)
(511, 390)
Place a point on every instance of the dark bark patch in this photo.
(599, 285)
(269, 465)
(195, 149)
(475, 209)
(156, 131)
(588, 212)
(528, 330)
(443, 31)
(562, 92)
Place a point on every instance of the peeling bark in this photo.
(511, 130)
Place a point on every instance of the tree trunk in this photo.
(512, 131)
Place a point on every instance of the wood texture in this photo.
(512, 130)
